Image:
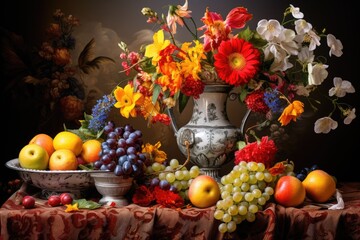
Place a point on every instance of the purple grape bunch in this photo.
(121, 151)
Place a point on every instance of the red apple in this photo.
(289, 191)
(28, 202)
(204, 191)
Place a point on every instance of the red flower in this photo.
(255, 102)
(192, 87)
(167, 198)
(237, 61)
(162, 118)
(143, 196)
(263, 151)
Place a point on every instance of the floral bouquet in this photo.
(274, 66)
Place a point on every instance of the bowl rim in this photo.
(15, 165)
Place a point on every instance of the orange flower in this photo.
(291, 112)
(62, 56)
(277, 169)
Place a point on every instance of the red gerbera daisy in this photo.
(237, 61)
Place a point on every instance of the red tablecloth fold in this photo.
(156, 222)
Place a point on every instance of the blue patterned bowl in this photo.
(73, 181)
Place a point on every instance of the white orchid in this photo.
(317, 73)
(341, 87)
(350, 115)
(295, 12)
(335, 45)
(325, 125)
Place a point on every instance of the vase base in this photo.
(212, 172)
(111, 201)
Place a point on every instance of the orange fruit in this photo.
(63, 159)
(45, 141)
(319, 186)
(68, 140)
(91, 150)
(289, 191)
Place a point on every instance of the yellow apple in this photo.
(33, 156)
(204, 191)
(63, 159)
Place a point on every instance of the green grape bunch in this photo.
(244, 191)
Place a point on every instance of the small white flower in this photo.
(268, 30)
(341, 87)
(314, 40)
(302, 27)
(350, 115)
(335, 45)
(281, 58)
(325, 125)
(317, 73)
(286, 40)
(305, 56)
(295, 12)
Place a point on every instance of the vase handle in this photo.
(173, 121)
(243, 121)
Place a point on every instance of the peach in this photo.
(91, 150)
(319, 185)
(44, 140)
(289, 191)
(63, 159)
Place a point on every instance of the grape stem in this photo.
(181, 166)
(188, 155)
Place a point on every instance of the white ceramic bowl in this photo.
(73, 181)
(112, 188)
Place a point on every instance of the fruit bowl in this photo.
(77, 182)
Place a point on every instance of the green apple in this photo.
(33, 156)
(204, 191)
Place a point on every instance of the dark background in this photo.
(111, 21)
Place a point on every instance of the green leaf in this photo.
(88, 204)
(246, 34)
(87, 167)
(243, 95)
(156, 92)
(183, 100)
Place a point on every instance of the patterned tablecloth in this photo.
(156, 222)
